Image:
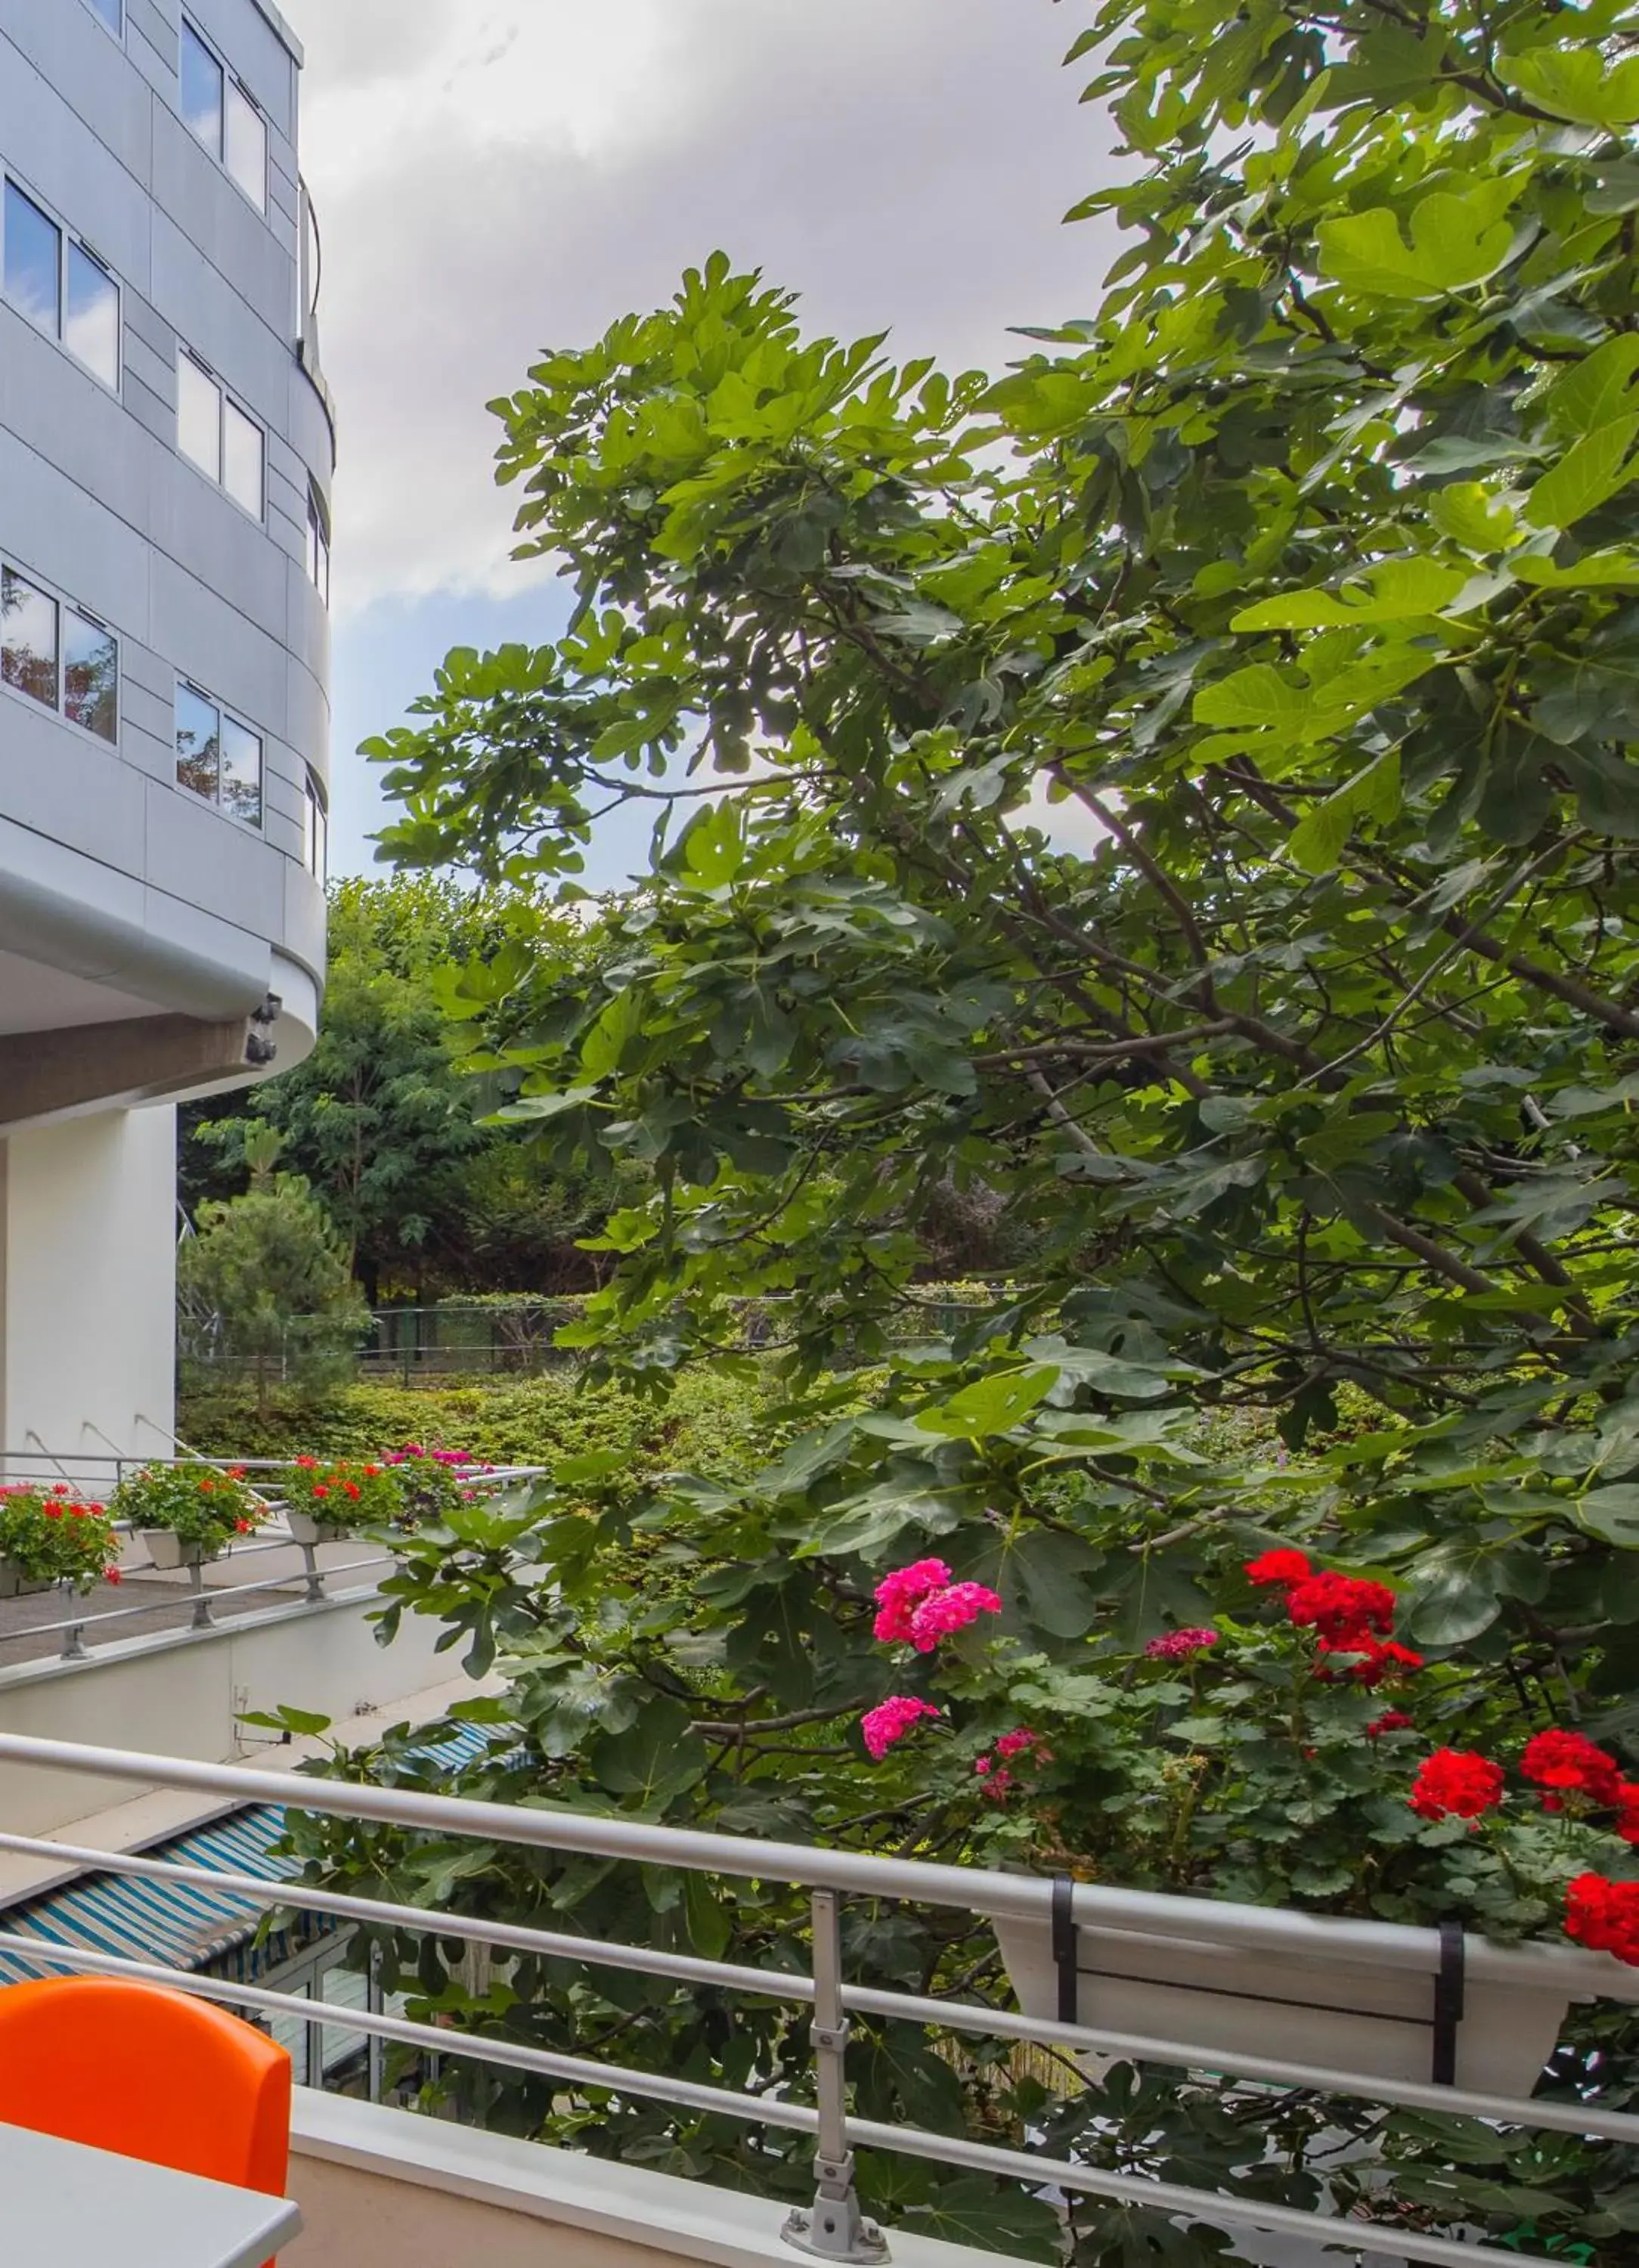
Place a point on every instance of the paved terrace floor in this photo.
(148, 1603)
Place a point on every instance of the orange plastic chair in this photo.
(147, 2073)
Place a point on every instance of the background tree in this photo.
(266, 1271)
(1304, 577)
(385, 1121)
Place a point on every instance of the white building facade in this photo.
(167, 451)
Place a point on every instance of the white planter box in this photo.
(14, 1584)
(1343, 2013)
(306, 1529)
(167, 1550)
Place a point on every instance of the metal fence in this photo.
(481, 1338)
(835, 2227)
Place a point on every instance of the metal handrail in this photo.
(202, 1599)
(798, 1991)
(834, 2227)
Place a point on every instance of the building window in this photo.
(214, 433)
(113, 14)
(91, 675)
(61, 286)
(59, 655)
(316, 832)
(220, 115)
(216, 756)
(318, 546)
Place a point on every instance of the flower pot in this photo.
(167, 1550)
(306, 1529)
(1337, 2011)
(14, 1584)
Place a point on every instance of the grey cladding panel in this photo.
(156, 25)
(97, 503)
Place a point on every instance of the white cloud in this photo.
(497, 176)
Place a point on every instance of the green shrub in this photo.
(719, 1424)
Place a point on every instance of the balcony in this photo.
(379, 2182)
(177, 1658)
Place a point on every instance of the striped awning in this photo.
(173, 1925)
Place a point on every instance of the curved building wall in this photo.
(162, 922)
(112, 870)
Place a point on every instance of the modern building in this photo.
(166, 447)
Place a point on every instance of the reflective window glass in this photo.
(202, 91)
(293, 2034)
(91, 676)
(199, 415)
(242, 458)
(247, 147)
(315, 831)
(33, 261)
(113, 14)
(318, 549)
(198, 742)
(241, 772)
(92, 329)
(28, 638)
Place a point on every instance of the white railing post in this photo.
(834, 2227)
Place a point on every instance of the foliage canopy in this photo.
(1301, 584)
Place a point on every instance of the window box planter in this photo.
(306, 1530)
(187, 1513)
(51, 1541)
(335, 1500)
(1367, 1997)
(167, 1550)
(15, 1583)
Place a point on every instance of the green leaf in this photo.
(1589, 473)
(1574, 82)
(1395, 592)
(990, 1405)
(1611, 1514)
(1458, 239)
(1317, 843)
(606, 1044)
(1597, 390)
(1472, 516)
(706, 1918)
(973, 2211)
(655, 1759)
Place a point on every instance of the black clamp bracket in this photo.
(1450, 1985)
(1064, 1937)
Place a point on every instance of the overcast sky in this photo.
(497, 176)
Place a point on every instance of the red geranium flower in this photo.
(1604, 1916)
(1571, 1762)
(1455, 1784)
(1391, 1721)
(1628, 1824)
(1283, 1567)
(1342, 1609)
(1376, 1661)
(113, 1576)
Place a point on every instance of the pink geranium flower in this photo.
(891, 1719)
(941, 1612)
(899, 1593)
(1179, 1646)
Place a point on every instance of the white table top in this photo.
(62, 2206)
